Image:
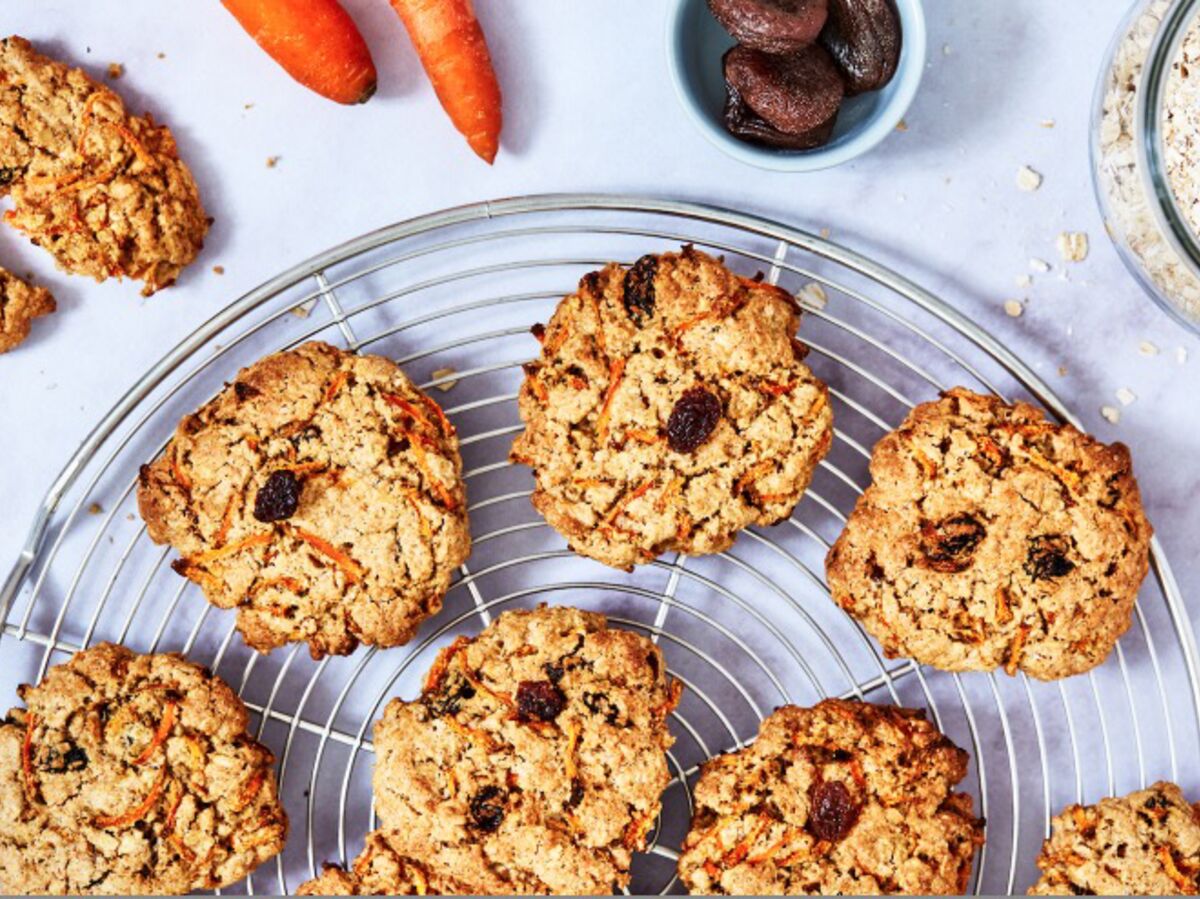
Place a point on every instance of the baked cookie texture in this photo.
(669, 409)
(321, 495)
(133, 774)
(842, 798)
(533, 762)
(20, 304)
(991, 537)
(103, 190)
(1143, 844)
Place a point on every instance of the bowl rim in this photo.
(909, 72)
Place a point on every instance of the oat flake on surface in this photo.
(1028, 179)
(1014, 308)
(1126, 396)
(1111, 414)
(1073, 246)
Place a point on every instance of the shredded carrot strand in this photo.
(441, 664)
(336, 383)
(636, 830)
(445, 425)
(1186, 884)
(231, 549)
(443, 493)
(161, 733)
(616, 371)
(250, 790)
(574, 732)
(135, 814)
(407, 408)
(773, 388)
(354, 572)
(756, 471)
(539, 390)
(644, 436)
(636, 494)
(1014, 653)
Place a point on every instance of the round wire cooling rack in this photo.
(452, 296)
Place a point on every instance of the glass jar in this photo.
(1146, 151)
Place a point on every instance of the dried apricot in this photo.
(864, 39)
(774, 26)
(743, 122)
(795, 94)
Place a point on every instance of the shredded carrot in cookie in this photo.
(441, 664)
(503, 698)
(1014, 652)
(413, 498)
(539, 390)
(336, 383)
(554, 344)
(1186, 884)
(1066, 476)
(408, 409)
(757, 471)
(232, 549)
(161, 734)
(643, 436)
(470, 734)
(353, 571)
(441, 490)
(773, 388)
(1082, 821)
(669, 493)
(27, 757)
(444, 424)
(1003, 608)
(634, 837)
(574, 732)
(135, 814)
(672, 701)
(712, 870)
(628, 498)
(250, 790)
(288, 583)
(738, 853)
(616, 372)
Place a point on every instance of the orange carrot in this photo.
(455, 55)
(315, 41)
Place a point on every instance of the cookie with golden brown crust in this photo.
(843, 798)
(20, 304)
(533, 762)
(133, 774)
(103, 190)
(991, 537)
(1143, 844)
(321, 495)
(669, 409)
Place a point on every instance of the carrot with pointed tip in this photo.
(315, 41)
(455, 56)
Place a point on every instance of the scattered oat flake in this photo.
(1126, 396)
(1146, 348)
(1181, 355)
(247, 106)
(115, 70)
(1028, 179)
(218, 269)
(445, 386)
(272, 161)
(95, 509)
(1073, 246)
(1111, 414)
(1024, 281)
(902, 125)
(1062, 371)
(1014, 308)
(814, 294)
(1039, 265)
(1047, 123)
(825, 232)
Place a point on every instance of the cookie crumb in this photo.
(1047, 123)
(272, 161)
(814, 295)
(1014, 308)
(247, 106)
(1024, 281)
(218, 269)
(115, 70)
(825, 232)
(1039, 265)
(1126, 396)
(95, 509)
(1073, 246)
(1111, 414)
(1027, 179)
(445, 386)
(304, 309)
(902, 125)
(1146, 348)
(1062, 371)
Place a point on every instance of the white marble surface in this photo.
(589, 107)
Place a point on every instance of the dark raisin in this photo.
(600, 704)
(576, 793)
(396, 445)
(449, 696)
(487, 809)
(864, 37)
(638, 289)
(949, 544)
(693, 420)
(1047, 557)
(75, 759)
(832, 811)
(539, 699)
(539, 331)
(278, 498)
(793, 100)
(590, 283)
(554, 672)
(245, 391)
(776, 26)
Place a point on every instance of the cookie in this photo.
(133, 774)
(843, 798)
(1143, 844)
(533, 762)
(669, 409)
(321, 495)
(103, 190)
(991, 537)
(20, 304)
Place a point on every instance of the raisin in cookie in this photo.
(670, 408)
(133, 774)
(104, 191)
(321, 494)
(20, 304)
(992, 537)
(533, 762)
(1143, 844)
(844, 797)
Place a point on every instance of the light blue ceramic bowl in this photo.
(695, 45)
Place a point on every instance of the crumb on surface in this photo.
(446, 372)
(1111, 414)
(1073, 246)
(1062, 371)
(95, 509)
(1014, 308)
(1024, 281)
(814, 295)
(902, 125)
(1028, 179)
(1146, 348)
(272, 161)
(1047, 123)
(1039, 265)
(218, 269)
(1126, 396)
(115, 70)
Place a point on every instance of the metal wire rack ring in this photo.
(451, 296)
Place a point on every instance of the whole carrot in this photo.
(315, 41)
(455, 55)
